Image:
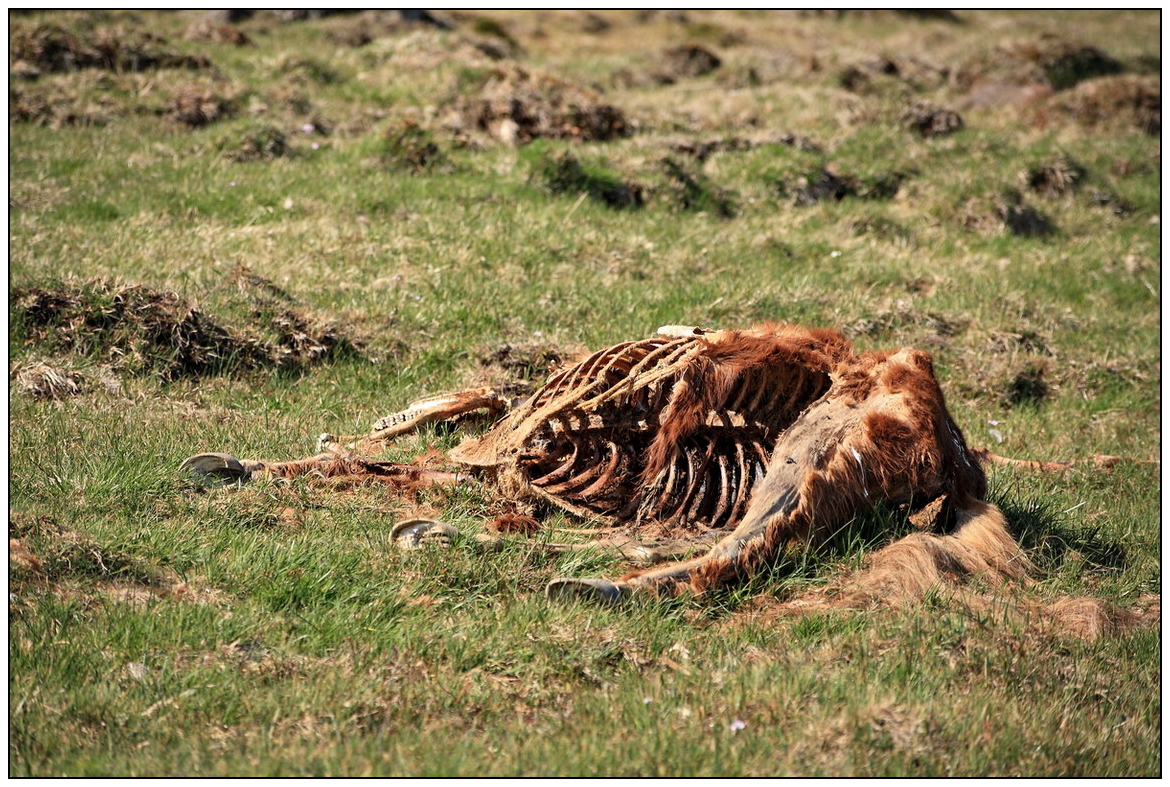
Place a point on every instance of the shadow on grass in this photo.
(1049, 538)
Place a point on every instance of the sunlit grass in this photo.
(273, 630)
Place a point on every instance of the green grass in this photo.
(272, 630)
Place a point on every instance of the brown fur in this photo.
(514, 523)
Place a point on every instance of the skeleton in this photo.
(738, 442)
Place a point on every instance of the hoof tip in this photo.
(215, 469)
(417, 533)
(595, 590)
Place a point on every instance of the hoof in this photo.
(216, 469)
(417, 533)
(596, 590)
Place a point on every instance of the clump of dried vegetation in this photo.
(689, 61)
(85, 101)
(827, 184)
(139, 330)
(517, 105)
(928, 120)
(217, 33)
(1055, 177)
(197, 106)
(47, 48)
(1127, 100)
(257, 143)
(1050, 60)
(42, 381)
(408, 146)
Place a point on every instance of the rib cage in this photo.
(673, 430)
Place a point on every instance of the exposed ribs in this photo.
(675, 430)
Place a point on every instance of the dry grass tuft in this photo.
(41, 381)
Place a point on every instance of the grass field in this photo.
(233, 237)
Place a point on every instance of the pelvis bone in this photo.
(743, 440)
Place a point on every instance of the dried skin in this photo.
(741, 443)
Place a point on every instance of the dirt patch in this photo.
(1134, 101)
(860, 77)
(131, 326)
(299, 338)
(493, 39)
(138, 330)
(48, 48)
(928, 120)
(517, 106)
